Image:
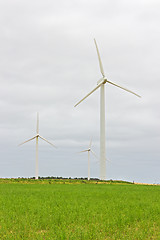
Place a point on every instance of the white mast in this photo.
(88, 165)
(102, 134)
(100, 84)
(89, 150)
(36, 176)
(36, 137)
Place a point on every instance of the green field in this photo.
(48, 210)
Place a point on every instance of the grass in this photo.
(78, 211)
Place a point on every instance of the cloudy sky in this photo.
(48, 62)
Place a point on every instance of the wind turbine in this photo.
(36, 137)
(101, 84)
(89, 150)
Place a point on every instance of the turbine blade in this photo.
(123, 88)
(37, 122)
(90, 143)
(94, 154)
(99, 58)
(84, 151)
(47, 141)
(88, 94)
(27, 140)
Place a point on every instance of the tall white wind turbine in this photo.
(36, 137)
(89, 150)
(100, 84)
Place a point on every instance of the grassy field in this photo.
(46, 210)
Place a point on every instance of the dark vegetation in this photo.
(60, 180)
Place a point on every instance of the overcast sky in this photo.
(48, 62)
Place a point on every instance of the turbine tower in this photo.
(36, 137)
(101, 84)
(89, 150)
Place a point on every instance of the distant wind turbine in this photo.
(36, 137)
(89, 150)
(100, 84)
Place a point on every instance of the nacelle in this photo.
(102, 80)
